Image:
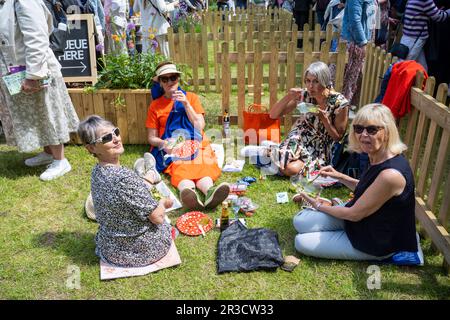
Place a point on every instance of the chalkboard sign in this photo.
(78, 63)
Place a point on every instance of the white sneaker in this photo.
(56, 169)
(39, 160)
(253, 151)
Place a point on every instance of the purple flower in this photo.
(99, 47)
(154, 44)
(131, 26)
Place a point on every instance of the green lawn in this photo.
(44, 230)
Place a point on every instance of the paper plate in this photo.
(188, 223)
(322, 181)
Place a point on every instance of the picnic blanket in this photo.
(108, 272)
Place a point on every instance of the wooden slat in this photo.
(132, 118)
(99, 109)
(171, 40)
(142, 104)
(366, 75)
(424, 167)
(325, 52)
(282, 47)
(182, 44)
(250, 65)
(226, 78)
(434, 229)
(306, 42)
(340, 66)
(88, 105)
(258, 73)
(121, 114)
(444, 212)
(205, 59)
(217, 71)
(290, 81)
(241, 83)
(420, 128)
(317, 37)
(273, 76)
(379, 74)
(438, 172)
(373, 71)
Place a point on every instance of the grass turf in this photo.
(44, 232)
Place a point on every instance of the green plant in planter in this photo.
(133, 71)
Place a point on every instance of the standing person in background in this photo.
(357, 29)
(154, 23)
(41, 115)
(301, 13)
(415, 27)
(381, 35)
(241, 4)
(321, 6)
(116, 12)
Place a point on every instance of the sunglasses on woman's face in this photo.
(371, 130)
(171, 78)
(107, 137)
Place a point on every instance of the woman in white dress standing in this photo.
(154, 23)
(40, 115)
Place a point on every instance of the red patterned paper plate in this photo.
(188, 223)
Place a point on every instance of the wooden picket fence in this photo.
(426, 132)
(200, 50)
(276, 80)
(375, 66)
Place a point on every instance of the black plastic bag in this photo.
(242, 249)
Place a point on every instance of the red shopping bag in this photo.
(258, 125)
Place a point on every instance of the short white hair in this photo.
(379, 115)
(321, 71)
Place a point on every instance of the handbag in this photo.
(241, 250)
(258, 125)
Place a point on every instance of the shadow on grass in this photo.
(12, 165)
(393, 280)
(79, 246)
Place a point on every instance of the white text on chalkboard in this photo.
(74, 49)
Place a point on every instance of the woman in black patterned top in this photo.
(132, 231)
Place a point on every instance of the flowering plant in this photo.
(185, 19)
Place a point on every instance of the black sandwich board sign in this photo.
(78, 63)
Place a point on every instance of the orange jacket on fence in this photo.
(398, 92)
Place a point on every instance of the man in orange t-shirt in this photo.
(176, 110)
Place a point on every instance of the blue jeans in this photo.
(321, 235)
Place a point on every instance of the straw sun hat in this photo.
(165, 69)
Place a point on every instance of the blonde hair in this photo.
(377, 114)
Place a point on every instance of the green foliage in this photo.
(132, 71)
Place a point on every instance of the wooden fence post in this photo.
(241, 83)
(258, 73)
(226, 78)
(340, 66)
(205, 58)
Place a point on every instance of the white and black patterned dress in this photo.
(123, 203)
(308, 139)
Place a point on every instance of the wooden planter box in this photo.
(125, 108)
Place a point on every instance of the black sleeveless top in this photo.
(392, 228)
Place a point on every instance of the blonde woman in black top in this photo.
(379, 221)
